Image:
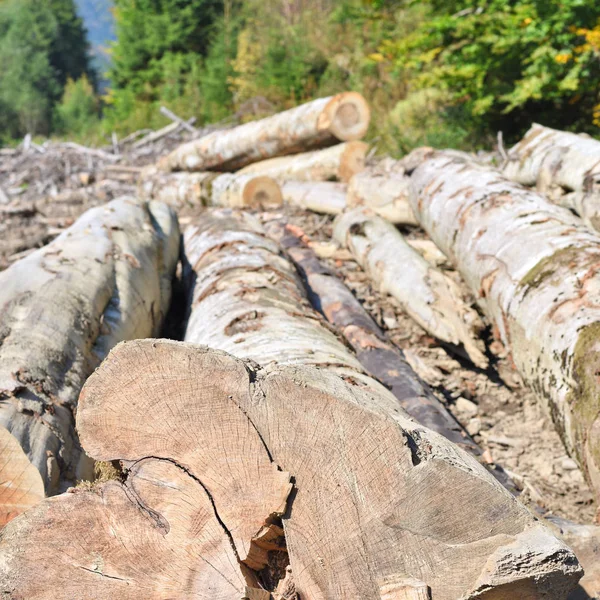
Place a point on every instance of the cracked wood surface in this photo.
(428, 296)
(564, 166)
(340, 162)
(319, 123)
(384, 189)
(209, 189)
(105, 279)
(534, 268)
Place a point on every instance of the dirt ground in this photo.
(47, 192)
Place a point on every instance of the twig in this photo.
(171, 115)
(501, 147)
(115, 143)
(92, 151)
(4, 197)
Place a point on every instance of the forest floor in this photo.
(47, 191)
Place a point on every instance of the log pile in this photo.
(286, 448)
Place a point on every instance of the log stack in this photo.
(228, 460)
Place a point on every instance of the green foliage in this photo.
(77, 112)
(42, 44)
(507, 63)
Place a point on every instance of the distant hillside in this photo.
(98, 18)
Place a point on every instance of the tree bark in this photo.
(534, 268)
(384, 189)
(210, 189)
(431, 298)
(319, 123)
(375, 494)
(105, 279)
(324, 197)
(564, 166)
(339, 163)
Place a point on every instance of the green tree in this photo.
(42, 44)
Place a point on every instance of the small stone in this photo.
(466, 406)
(568, 464)
(474, 426)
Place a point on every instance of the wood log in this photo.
(384, 189)
(533, 266)
(324, 197)
(375, 494)
(428, 296)
(340, 162)
(316, 124)
(564, 166)
(105, 279)
(210, 189)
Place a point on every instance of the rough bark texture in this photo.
(210, 189)
(374, 504)
(425, 293)
(339, 162)
(534, 268)
(565, 166)
(384, 189)
(105, 279)
(319, 123)
(324, 197)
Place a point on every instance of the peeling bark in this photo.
(210, 189)
(384, 189)
(339, 163)
(534, 269)
(564, 166)
(105, 279)
(431, 298)
(319, 123)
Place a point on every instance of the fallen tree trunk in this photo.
(564, 166)
(105, 279)
(384, 189)
(381, 359)
(319, 123)
(339, 162)
(324, 197)
(431, 298)
(241, 432)
(210, 189)
(533, 267)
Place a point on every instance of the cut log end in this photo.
(346, 116)
(262, 193)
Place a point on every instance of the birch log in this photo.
(564, 166)
(105, 279)
(428, 296)
(319, 123)
(325, 197)
(375, 494)
(384, 189)
(534, 268)
(210, 189)
(339, 163)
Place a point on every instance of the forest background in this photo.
(447, 73)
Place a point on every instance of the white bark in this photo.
(340, 162)
(384, 189)
(431, 298)
(563, 165)
(324, 197)
(534, 269)
(316, 124)
(105, 279)
(210, 189)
